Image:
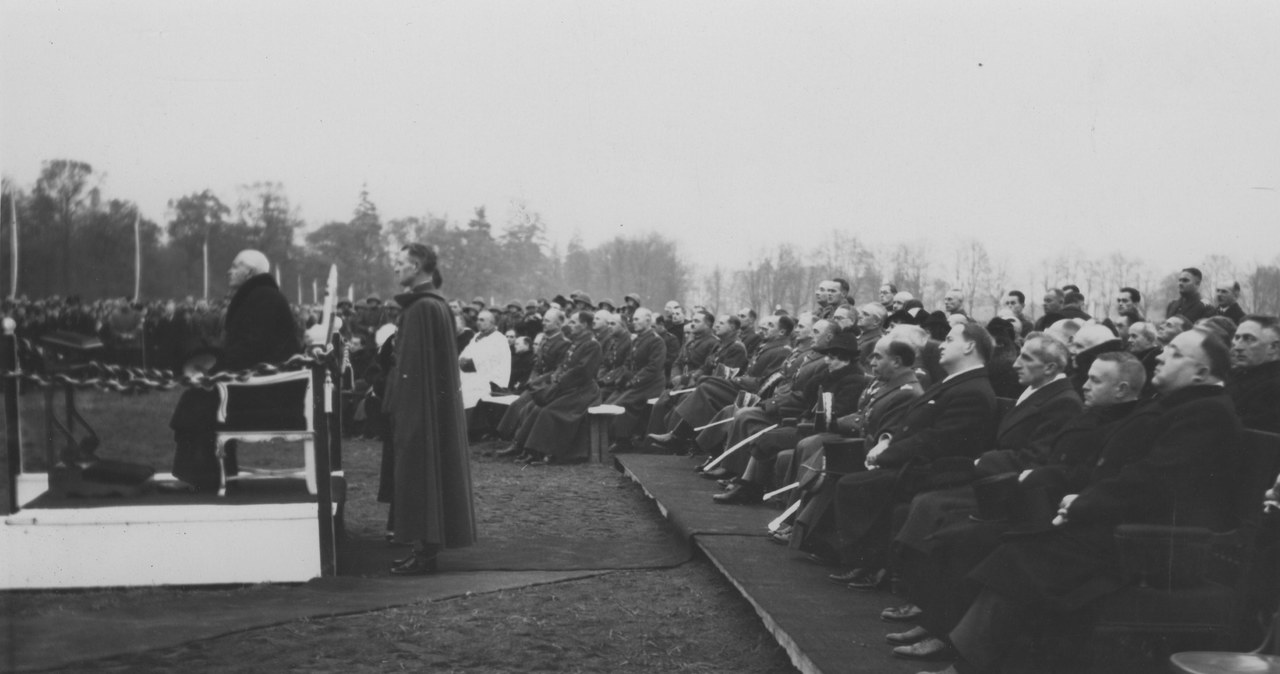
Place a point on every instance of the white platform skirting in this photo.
(198, 544)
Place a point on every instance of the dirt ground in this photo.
(681, 619)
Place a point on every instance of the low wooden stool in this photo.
(599, 419)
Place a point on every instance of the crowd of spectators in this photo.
(1131, 418)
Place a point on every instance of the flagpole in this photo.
(300, 303)
(137, 255)
(315, 292)
(206, 265)
(13, 273)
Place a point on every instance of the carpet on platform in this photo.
(35, 636)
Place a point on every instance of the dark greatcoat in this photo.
(714, 352)
(1024, 440)
(432, 498)
(1256, 394)
(545, 363)
(557, 423)
(714, 392)
(643, 378)
(616, 349)
(800, 367)
(1185, 479)
(1094, 445)
(259, 329)
(845, 386)
(1026, 431)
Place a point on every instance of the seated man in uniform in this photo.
(550, 428)
(259, 328)
(640, 380)
(714, 392)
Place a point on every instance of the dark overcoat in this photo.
(432, 496)
(1185, 479)
(644, 377)
(714, 392)
(559, 417)
(1256, 394)
(1026, 432)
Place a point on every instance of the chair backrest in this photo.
(277, 402)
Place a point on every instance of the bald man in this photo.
(259, 328)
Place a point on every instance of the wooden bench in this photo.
(599, 418)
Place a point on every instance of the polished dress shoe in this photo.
(901, 614)
(871, 580)
(911, 636)
(781, 537)
(744, 493)
(416, 564)
(926, 649)
(717, 473)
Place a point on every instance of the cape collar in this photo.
(416, 293)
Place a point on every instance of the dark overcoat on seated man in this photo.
(1187, 478)
(934, 446)
(554, 426)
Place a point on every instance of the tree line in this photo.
(74, 240)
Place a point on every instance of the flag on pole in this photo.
(277, 276)
(300, 290)
(137, 255)
(315, 292)
(351, 293)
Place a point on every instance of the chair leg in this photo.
(222, 467)
(309, 459)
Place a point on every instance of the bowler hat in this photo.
(997, 496)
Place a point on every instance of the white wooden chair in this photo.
(304, 433)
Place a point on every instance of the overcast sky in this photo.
(1134, 126)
